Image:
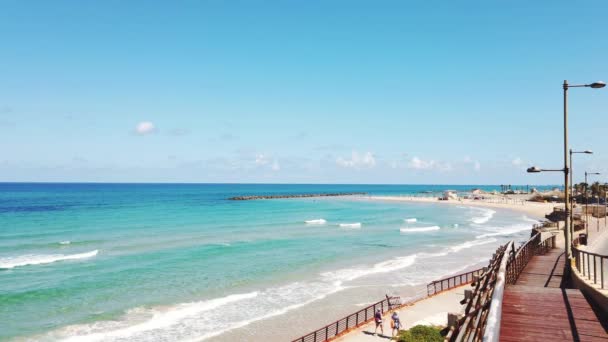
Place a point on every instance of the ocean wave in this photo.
(350, 225)
(410, 220)
(33, 259)
(472, 243)
(66, 242)
(484, 216)
(196, 321)
(349, 274)
(505, 231)
(317, 221)
(419, 229)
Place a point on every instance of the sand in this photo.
(434, 310)
(534, 209)
(430, 311)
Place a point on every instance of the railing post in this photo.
(602, 274)
(588, 267)
(594, 271)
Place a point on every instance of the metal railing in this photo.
(351, 321)
(532, 247)
(438, 286)
(592, 266)
(366, 315)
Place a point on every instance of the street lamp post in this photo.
(571, 228)
(605, 205)
(567, 86)
(587, 202)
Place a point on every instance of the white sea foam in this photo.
(350, 225)
(505, 231)
(349, 274)
(66, 242)
(196, 321)
(485, 215)
(472, 243)
(419, 229)
(410, 220)
(33, 259)
(455, 225)
(317, 221)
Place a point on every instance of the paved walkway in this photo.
(540, 307)
(433, 310)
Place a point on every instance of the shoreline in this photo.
(536, 209)
(431, 309)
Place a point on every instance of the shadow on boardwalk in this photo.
(541, 306)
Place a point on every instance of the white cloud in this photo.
(144, 128)
(421, 164)
(261, 159)
(276, 166)
(357, 161)
(477, 166)
(517, 161)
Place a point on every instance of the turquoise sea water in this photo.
(142, 262)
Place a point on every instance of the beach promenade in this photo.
(430, 311)
(540, 303)
(542, 306)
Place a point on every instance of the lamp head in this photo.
(534, 169)
(588, 151)
(597, 85)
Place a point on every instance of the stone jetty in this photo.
(260, 197)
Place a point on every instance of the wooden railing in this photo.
(470, 327)
(351, 321)
(482, 315)
(591, 265)
(438, 286)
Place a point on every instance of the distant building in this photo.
(450, 194)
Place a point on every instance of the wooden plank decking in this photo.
(539, 307)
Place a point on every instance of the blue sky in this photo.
(299, 91)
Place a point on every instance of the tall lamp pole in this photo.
(567, 86)
(587, 202)
(605, 204)
(571, 227)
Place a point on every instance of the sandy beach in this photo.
(517, 203)
(434, 310)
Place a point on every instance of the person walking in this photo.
(395, 324)
(378, 319)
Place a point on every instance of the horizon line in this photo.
(261, 183)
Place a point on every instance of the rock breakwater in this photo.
(261, 197)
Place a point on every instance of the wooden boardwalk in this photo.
(539, 307)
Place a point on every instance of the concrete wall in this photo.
(596, 294)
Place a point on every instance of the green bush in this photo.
(421, 333)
